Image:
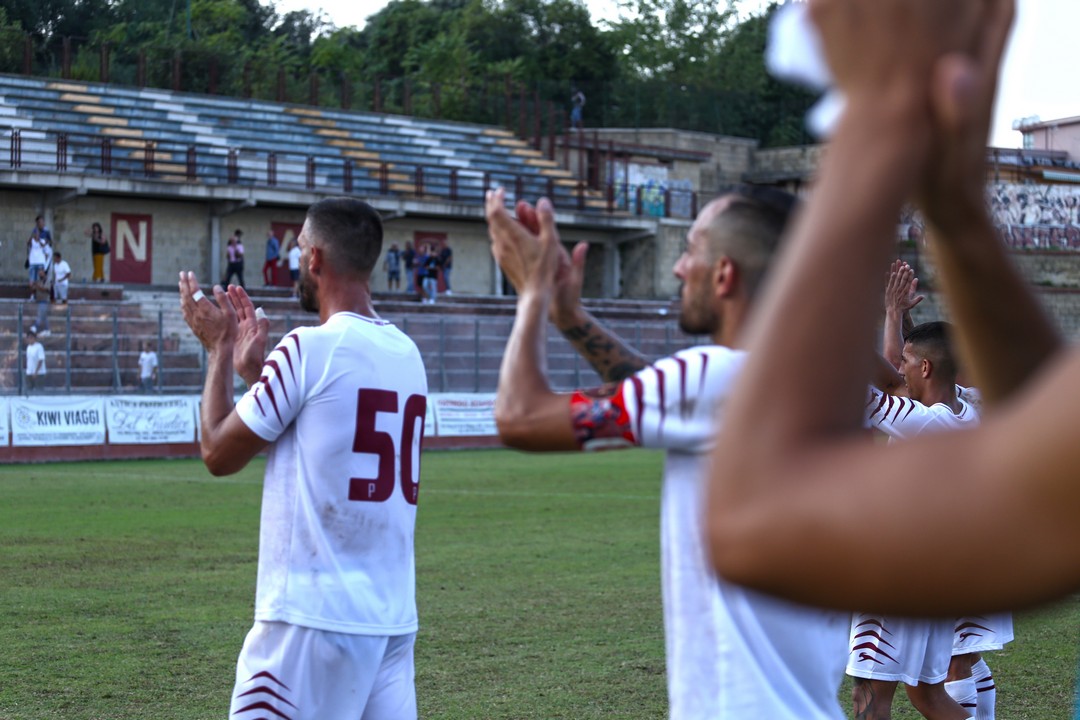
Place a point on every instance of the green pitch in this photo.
(126, 590)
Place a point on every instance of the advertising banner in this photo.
(464, 414)
(63, 420)
(145, 419)
(5, 428)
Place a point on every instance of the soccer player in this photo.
(799, 491)
(731, 653)
(341, 408)
(887, 649)
(970, 682)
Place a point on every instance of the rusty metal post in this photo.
(610, 197)
(28, 55)
(581, 195)
(551, 189)
(384, 179)
(519, 188)
(637, 197)
(103, 63)
(271, 169)
(106, 156)
(310, 173)
(693, 204)
(65, 58)
(61, 152)
(419, 180)
(667, 202)
(16, 148)
(192, 164)
(453, 184)
(233, 166)
(347, 176)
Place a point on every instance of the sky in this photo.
(1034, 82)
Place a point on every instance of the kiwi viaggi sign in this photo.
(60, 420)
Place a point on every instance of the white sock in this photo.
(963, 692)
(987, 691)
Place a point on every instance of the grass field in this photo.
(126, 590)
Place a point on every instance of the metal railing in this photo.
(94, 155)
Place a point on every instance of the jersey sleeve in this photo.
(668, 405)
(898, 417)
(271, 404)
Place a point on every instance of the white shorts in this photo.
(288, 672)
(982, 633)
(906, 650)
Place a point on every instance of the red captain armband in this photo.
(600, 420)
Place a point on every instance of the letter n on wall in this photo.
(132, 248)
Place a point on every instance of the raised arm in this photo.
(798, 504)
(528, 414)
(227, 444)
(901, 295)
(611, 358)
(1004, 336)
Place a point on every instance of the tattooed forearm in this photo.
(607, 354)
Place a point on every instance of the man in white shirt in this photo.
(340, 408)
(62, 273)
(888, 649)
(148, 367)
(732, 653)
(35, 360)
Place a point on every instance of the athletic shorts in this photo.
(982, 633)
(288, 671)
(394, 275)
(903, 650)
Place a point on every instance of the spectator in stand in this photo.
(429, 273)
(62, 275)
(273, 255)
(37, 250)
(446, 262)
(408, 256)
(577, 100)
(148, 367)
(234, 256)
(99, 248)
(35, 361)
(392, 266)
(294, 266)
(42, 292)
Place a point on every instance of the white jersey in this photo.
(732, 653)
(901, 418)
(909, 650)
(35, 359)
(343, 405)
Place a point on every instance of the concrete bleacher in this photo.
(303, 140)
(460, 338)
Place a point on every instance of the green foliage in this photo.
(690, 64)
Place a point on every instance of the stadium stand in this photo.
(182, 137)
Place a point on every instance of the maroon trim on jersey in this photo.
(881, 402)
(296, 341)
(255, 396)
(269, 676)
(663, 401)
(267, 691)
(288, 359)
(684, 406)
(270, 394)
(902, 403)
(910, 410)
(704, 367)
(281, 378)
(263, 706)
(639, 391)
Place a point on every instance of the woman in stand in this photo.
(99, 248)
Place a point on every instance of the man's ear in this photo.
(926, 367)
(316, 258)
(725, 277)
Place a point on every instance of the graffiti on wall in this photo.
(645, 189)
(1026, 216)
